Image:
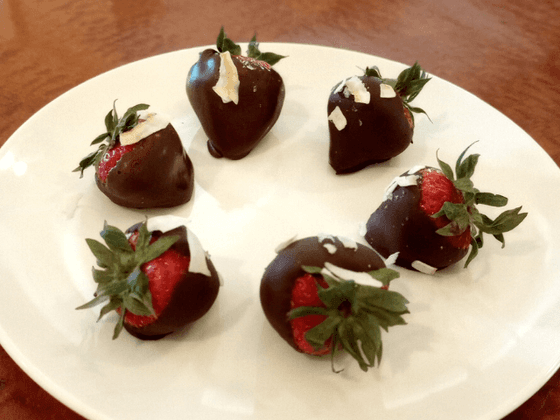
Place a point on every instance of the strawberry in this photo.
(305, 293)
(371, 119)
(237, 99)
(327, 293)
(430, 217)
(156, 281)
(140, 161)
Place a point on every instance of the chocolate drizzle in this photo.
(156, 173)
(400, 225)
(375, 132)
(280, 275)
(233, 129)
(193, 296)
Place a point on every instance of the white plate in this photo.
(478, 341)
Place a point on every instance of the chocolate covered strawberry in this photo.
(140, 161)
(236, 98)
(430, 217)
(371, 119)
(156, 276)
(325, 293)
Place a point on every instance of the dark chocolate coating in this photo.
(280, 275)
(156, 173)
(234, 130)
(193, 296)
(374, 132)
(400, 225)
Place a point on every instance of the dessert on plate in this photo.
(371, 119)
(237, 98)
(429, 216)
(326, 292)
(156, 275)
(140, 161)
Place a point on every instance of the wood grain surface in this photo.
(505, 52)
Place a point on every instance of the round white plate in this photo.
(479, 341)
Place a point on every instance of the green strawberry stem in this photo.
(355, 314)
(408, 85)
(224, 44)
(466, 215)
(115, 126)
(121, 284)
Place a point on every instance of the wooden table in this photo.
(505, 52)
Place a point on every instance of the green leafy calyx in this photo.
(355, 313)
(408, 85)
(465, 215)
(225, 44)
(115, 126)
(121, 284)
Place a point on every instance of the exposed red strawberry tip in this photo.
(436, 190)
(305, 293)
(164, 273)
(111, 158)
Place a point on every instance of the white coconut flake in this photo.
(152, 124)
(391, 259)
(386, 91)
(348, 243)
(423, 267)
(358, 89)
(331, 248)
(285, 244)
(340, 86)
(198, 263)
(415, 169)
(362, 228)
(220, 279)
(227, 87)
(322, 237)
(400, 181)
(338, 119)
(169, 222)
(359, 277)
(165, 223)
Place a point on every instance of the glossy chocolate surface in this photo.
(400, 225)
(374, 132)
(193, 296)
(234, 130)
(156, 173)
(280, 275)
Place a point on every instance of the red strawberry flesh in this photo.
(110, 159)
(436, 190)
(112, 156)
(304, 293)
(164, 273)
(249, 60)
